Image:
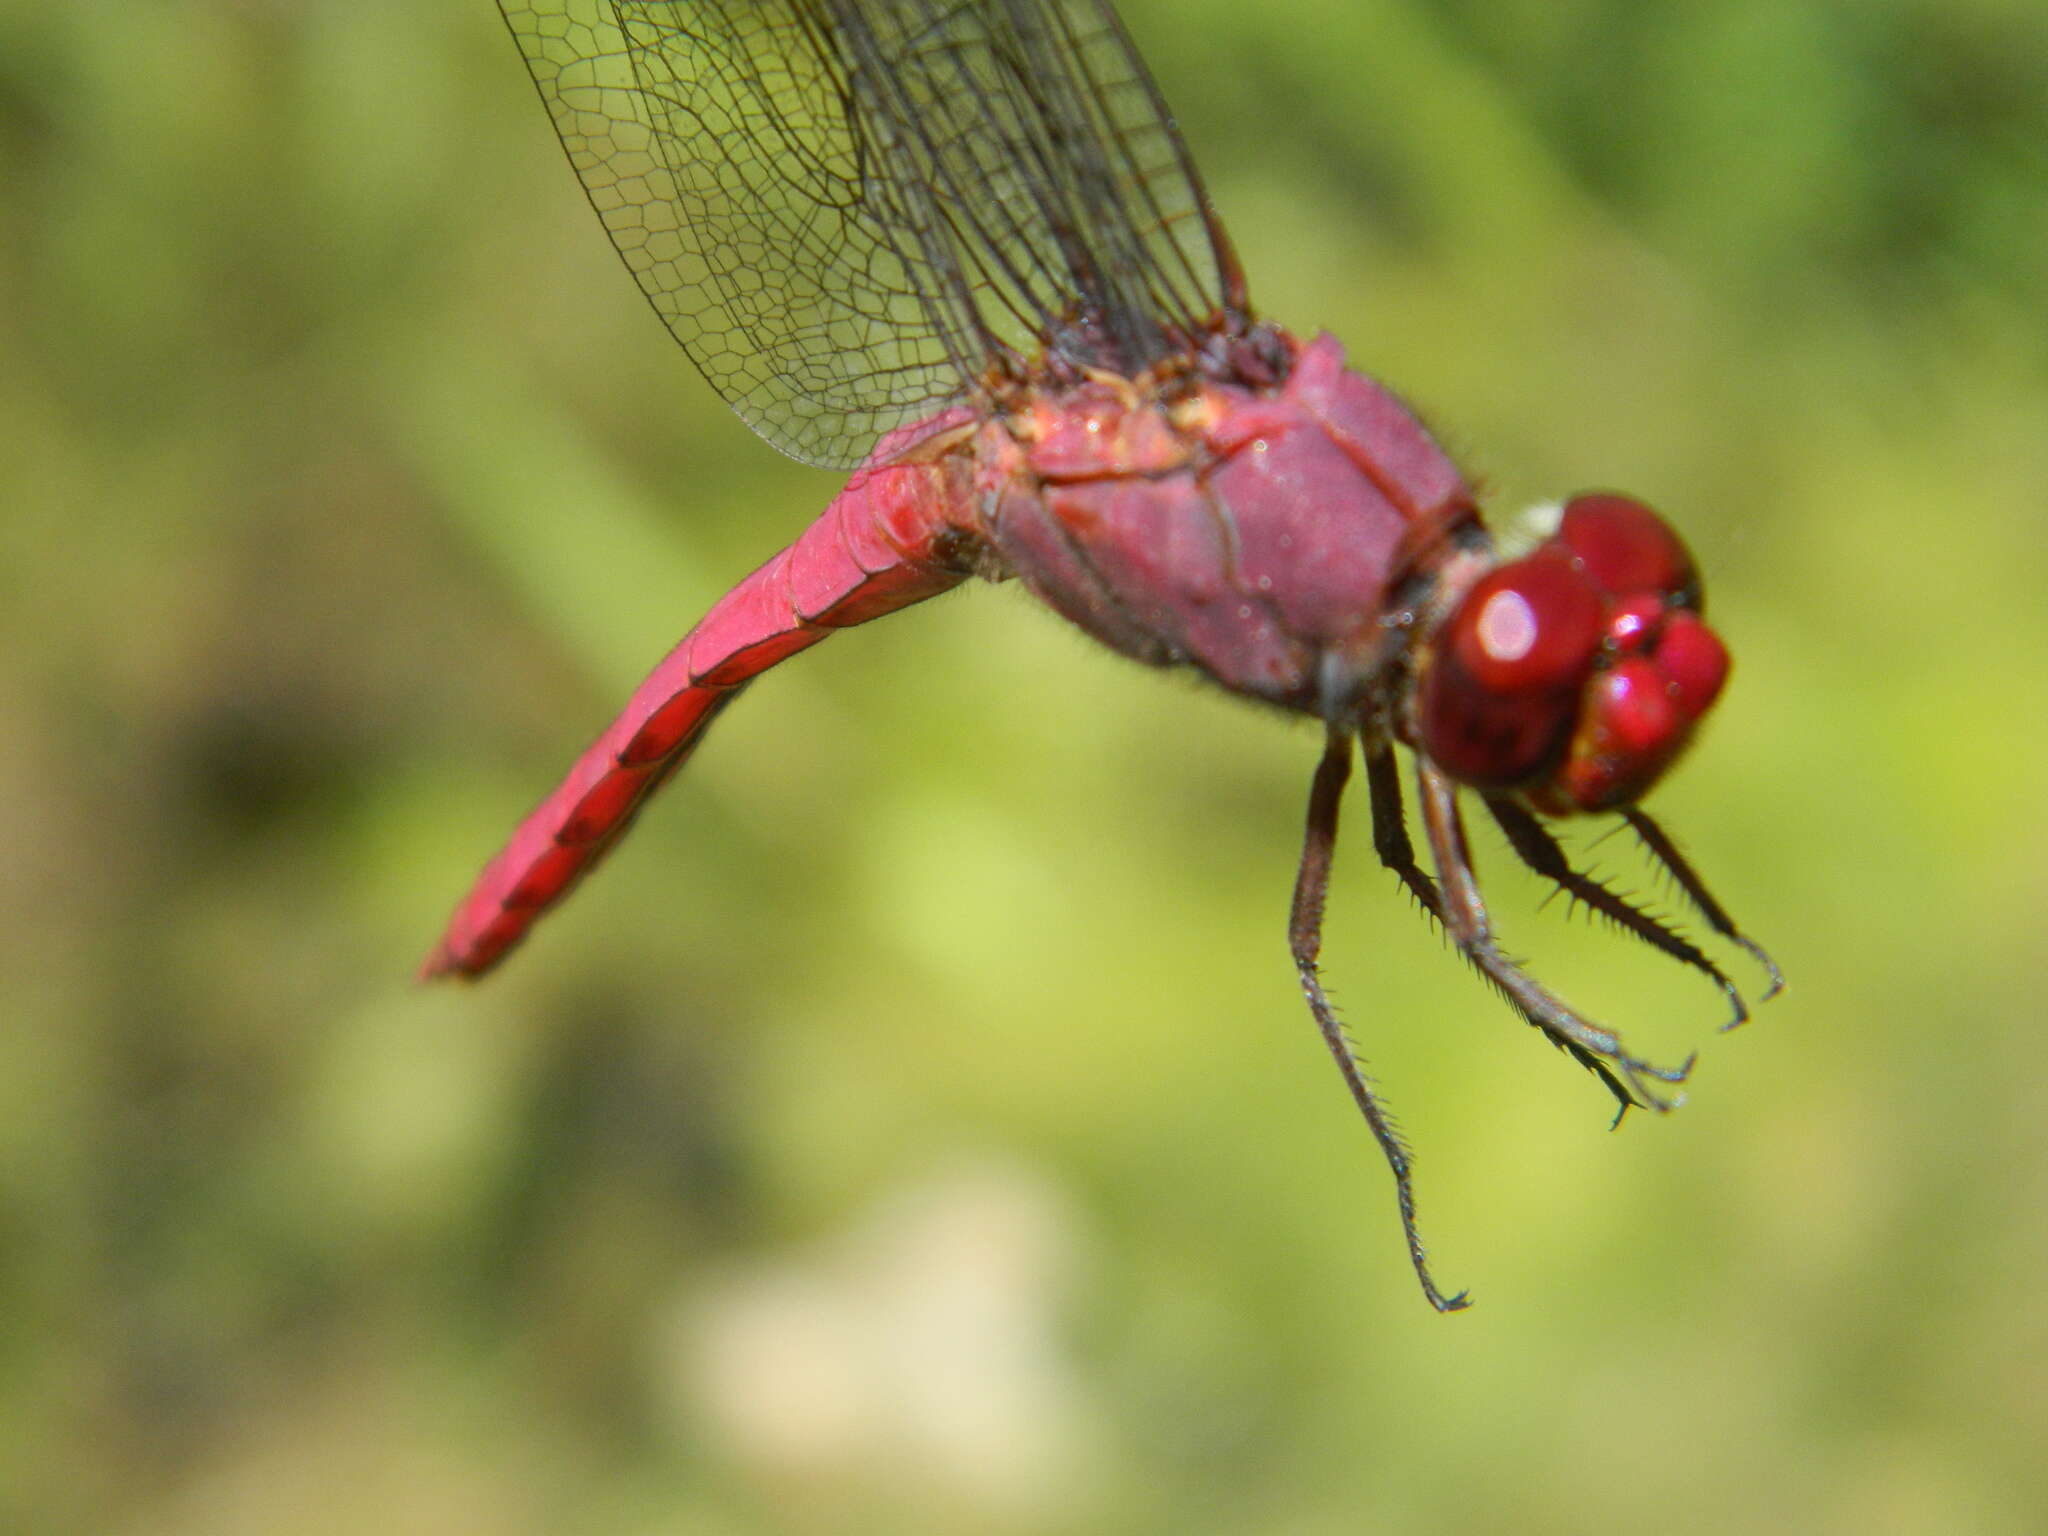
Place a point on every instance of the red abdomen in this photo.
(1245, 532)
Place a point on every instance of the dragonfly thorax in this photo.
(1254, 531)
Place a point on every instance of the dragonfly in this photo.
(959, 248)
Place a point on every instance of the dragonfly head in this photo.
(1575, 674)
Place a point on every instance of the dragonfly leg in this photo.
(1390, 841)
(1535, 847)
(1472, 930)
(1390, 827)
(1305, 939)
(1666, 853)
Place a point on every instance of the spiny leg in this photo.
(1466, 918)
(1305, 939)
(1535, 847)
(1390, 842)
(1665, 852)
(1390, 826)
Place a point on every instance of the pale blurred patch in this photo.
(922, 1346)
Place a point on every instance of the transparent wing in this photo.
(845, 209)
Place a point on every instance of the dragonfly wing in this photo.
(713, 142)
(844, 209)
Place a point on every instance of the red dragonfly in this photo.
(959, 247)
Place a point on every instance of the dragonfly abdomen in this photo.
(889, 539)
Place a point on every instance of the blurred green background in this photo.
(916, 1128)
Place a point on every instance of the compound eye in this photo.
(1532, 626)
(1627, 549)
(1632, 711)
(1498, 705)
(1638, 716)
(1695, 661)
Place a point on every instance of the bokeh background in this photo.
(916, 1128)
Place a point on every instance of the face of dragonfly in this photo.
(1576, 674)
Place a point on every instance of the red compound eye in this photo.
(1500, 700)
(1694, 659)
(1631, 709)
(1638, 716)
(1626, 548)
(1532, 625)
(1577, 673)
(1635, 625)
